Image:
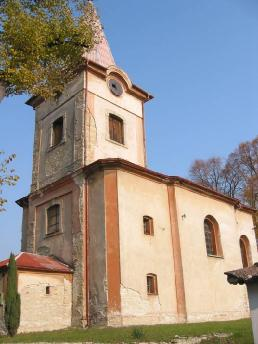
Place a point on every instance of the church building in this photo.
(107, 241)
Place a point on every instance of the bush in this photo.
(137, 333)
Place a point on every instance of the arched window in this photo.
(148, 225)
(116, 129)
(212, 237)
(245, 251)
(152, 284)
(53, 219)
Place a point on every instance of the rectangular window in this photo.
(148, 225)
(57, 131)
(48, 290)
(116, 129)
(53, 219)
(152, 284)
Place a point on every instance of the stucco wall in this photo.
(97, 251)
(59, 244)
(52, 163)
(42, 312)
(101, 102)
(208, 295)
(68, 244)
(141, 254)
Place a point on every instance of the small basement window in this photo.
(152, 284)
(57, 131)
(148, 225)
(53, 219)
(116, 129)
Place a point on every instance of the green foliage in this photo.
(12, 301)
(42, 43)
(7, 177)
(137, 333)
(241, 330)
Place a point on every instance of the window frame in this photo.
(152, 277)
(245, 249)
(149, 221)
(111, 135)
(52, 144)
(58, 218)
(214, 237)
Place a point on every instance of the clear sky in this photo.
(198, 58)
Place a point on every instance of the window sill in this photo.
(54, 147)
(117, 143)
(214, 256)
(50, 235)
(156, 294)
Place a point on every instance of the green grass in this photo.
(241, 329)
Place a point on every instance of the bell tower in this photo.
(99, 115)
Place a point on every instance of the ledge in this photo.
(213, 256)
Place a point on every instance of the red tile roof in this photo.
(34, 262)
(101, 53)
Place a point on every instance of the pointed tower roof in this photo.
(101, 53)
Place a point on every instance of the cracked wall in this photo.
(143, 254)
(51, 163)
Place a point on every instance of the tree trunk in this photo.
(2, 92)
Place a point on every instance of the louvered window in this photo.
(116, 129)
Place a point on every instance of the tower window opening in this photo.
(57, 131)
(48, 290)
(53, 219)
(116, 129)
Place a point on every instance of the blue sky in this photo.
(198, 58)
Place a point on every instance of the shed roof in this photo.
(243, 276)
(34, 262)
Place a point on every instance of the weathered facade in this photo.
(45, 288)
(145, 248)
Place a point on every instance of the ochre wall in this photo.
(208, 294)
(142, 254)
(42, 312)
(101, 102)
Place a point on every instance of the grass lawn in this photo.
(241, 329)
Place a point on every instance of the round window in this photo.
(115, 87)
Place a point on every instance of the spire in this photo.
(101, 53)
